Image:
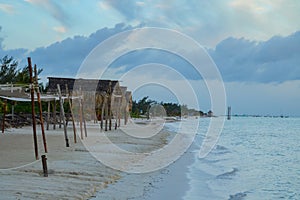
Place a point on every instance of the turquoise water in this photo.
(255, 158)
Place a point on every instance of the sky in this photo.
(254, 45)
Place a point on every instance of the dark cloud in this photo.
(64, 58)
(275, 60)
(239, 60)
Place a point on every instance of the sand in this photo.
(73, 172)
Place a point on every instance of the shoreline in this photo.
(170, 182)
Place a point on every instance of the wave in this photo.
(219, 150)
(229, 174)
(238, 196)
(220, 147)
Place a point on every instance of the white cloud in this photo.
(7, 8)
(54, 9)
(60, 29)
(211, 21)
(103, 5)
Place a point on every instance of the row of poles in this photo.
(35, 88)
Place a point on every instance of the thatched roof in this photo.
(92, 85)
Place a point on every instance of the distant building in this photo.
(210, 114)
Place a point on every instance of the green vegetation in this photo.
(142, 108)
(11, 74)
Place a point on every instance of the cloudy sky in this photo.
(255, 44)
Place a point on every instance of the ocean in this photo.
(255, 158)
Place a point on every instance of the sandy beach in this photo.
(73, 172)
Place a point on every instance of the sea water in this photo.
(254, 158)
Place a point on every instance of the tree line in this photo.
(10, 73)
(143, 108)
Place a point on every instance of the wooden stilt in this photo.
(44, 164)
(106, 116)
(32, 110)
(40, 109)
(125, 117)
(83, 119)
(72, 114)
(109, 106)
(109, 116)
(80, 118)
(3, 116)
(102, 111)
(119, 112)
(12, 111)
(63, 115)
(48, 115)
(60, 118)
(54, 114)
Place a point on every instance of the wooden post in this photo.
(44, 164)
(83, 118)
(54, 114)
(80, 117)
(119, 111)
(229, 112)
(40, 108)
(32, 109)
(109, 105)
(102, 110)
(106, 115)
(48, 115)
(3, 116)
(12, 111)
(109, 116)
(62, 111)
(72, 114)
(60, 118)
(125, 116)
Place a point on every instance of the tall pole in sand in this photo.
(72, 113)
(3, 116)
(109, 105)
(32, 109)
(62, 111)
(40, 108)
(48, 115)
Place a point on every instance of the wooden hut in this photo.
(102, 99)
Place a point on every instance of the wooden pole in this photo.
(72, 114)
(3, 116)
(40, 108)
(106, 115)
(54, 114)
(109, 106)
(102, 110)
(119, 111)
(48, 115)
(80, 118)
(83, 118)
(44, 164)
(12, 111)
(32, 109)
(62, 111)
(229, 113)
(60, 118)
